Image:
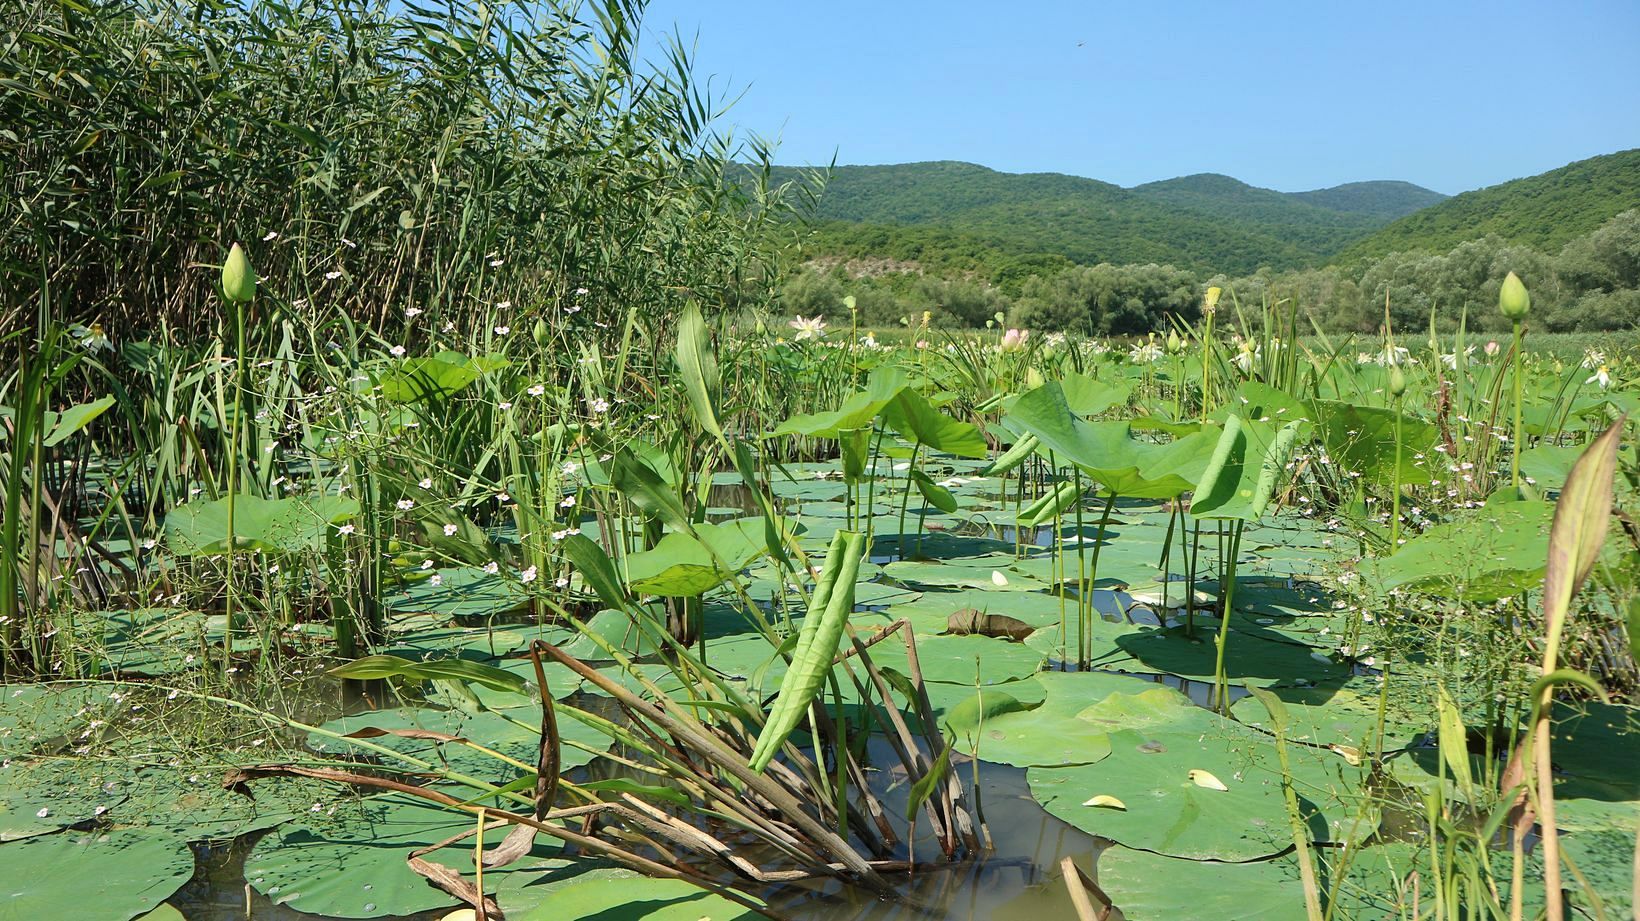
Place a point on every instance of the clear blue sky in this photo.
(1291, 96)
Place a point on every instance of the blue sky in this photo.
(1291, 96)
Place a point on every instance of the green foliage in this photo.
(1546, 211)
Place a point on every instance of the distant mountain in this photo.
(1545, 211)
(1208, 222)
(1384, 198)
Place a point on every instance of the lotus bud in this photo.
(1033, 379)
(1212, 302)
(1174, 344)
(762, 328)
(238, 278)
(1513, 301)
(850, 303)
(1397, 382)
(541, 333)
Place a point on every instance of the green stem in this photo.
(1516, 435)
(1221, 684)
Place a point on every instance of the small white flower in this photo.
(569, 468)
(396, 351)
(492, 568)
(527, 575)
(410, 313)
(568, 502)
(436, 579)
(503, 330)
(504, 405)
(450, 530)
(426, 483)
(1602, 375)
(333, 275)
(536, 390)
(600, 405)
(426, 564)
(270, 236)
(405, 505)
(345, 530)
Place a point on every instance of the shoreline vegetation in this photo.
(432, 486)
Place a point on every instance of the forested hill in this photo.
(950, 212)
(1544, 211)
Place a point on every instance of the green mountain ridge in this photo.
(1205, 221)
(1545, 211)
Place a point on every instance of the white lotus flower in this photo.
(808, 328)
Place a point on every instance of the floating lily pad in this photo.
(1155, 769)
(1152, 887)
(40, 797)
(352, 864)
(996, 726)
(115, 875)
(1249, 659)
(618, 895)
(491, 730)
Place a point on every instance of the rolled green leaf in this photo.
(817, 643)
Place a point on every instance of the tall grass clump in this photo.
(373, 157)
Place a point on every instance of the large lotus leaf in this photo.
(1065, 728)
(1599, 742)
(1249, 659)
(1108, 452)
(859, 410)
(1342, 714)
(573, 894)
(1151, 887)
(1605, 858)
(1546, 466)
(1361, 440)
(1498, 550)
(464, 591)
(931, 612)
(42, 717)
(287, 525)
(1169, 805)
(1247, 465)
(115, 875)
(615, 628)
(1088, 396)
(910, 414)
(1121, 562)
(352, 864)
(1261, 402)
(968, 572)
(683, 565)
(151, 641)
(437, 376)
(40, 797)
(491, 730)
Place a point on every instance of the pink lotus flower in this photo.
(1014, 339)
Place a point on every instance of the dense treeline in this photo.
(1546, 211)
(1590, 283)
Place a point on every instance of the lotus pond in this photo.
(720, 625)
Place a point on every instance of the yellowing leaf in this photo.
(1107, 801)
(1206, 779)
(997, 578)
(1350, 753)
